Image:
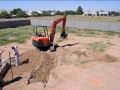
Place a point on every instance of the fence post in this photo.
(89, 24)
(49, 22)
(20, 22)
(39, 21)
(7, 24)
(108, 26)
(74, 24)
(61, 25)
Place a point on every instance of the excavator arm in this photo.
(53, 28)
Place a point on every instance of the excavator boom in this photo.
(53, 28)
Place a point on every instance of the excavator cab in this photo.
(38, 33)
(41, 39)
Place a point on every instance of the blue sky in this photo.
(61, 5)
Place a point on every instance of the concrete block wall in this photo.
(106, 26)
(12, 24)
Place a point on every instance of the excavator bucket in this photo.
(63, 35)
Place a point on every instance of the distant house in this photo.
(30, 12)
(90, 13)
(96, 13)
(53, 13)
(39, 12)
(104, 13)
(87, 13)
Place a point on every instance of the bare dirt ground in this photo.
(70, 67)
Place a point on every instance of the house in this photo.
(88, 13)
(39, 12)
(104, 13)
(30, 12)
(96, 13)
(53, 13)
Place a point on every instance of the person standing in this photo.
(16, 54)
(1, 62)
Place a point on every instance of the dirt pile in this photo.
(48, 62)
(95, 56)
(64, 56)
(98, 56)
(40, 64)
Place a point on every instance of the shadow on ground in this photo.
(12, 81)
(69, 44)
(25, 61)
(56, 46)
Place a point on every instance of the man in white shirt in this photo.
(15, 48)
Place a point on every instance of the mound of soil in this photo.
(48, 62)
(95, 56)
(40, 64)
(61, 57)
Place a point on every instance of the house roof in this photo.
(39, 11)
(103, 12)
(90, 12)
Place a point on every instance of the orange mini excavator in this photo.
(42, 41)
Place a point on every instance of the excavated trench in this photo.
(40, 64)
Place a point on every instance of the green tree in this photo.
(4, 14)
(49, 11)
(21, 13)
(117, 13)
(46, 12)
(101, 10)
(67, 12)
(112, 12)
(15, 11)
(79, 10)
(38, 14)
(61, 13)
(72, 12)
(58, 12)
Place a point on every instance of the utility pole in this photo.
(89, 11)
(89, 8)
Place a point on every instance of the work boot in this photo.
(17, 64)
